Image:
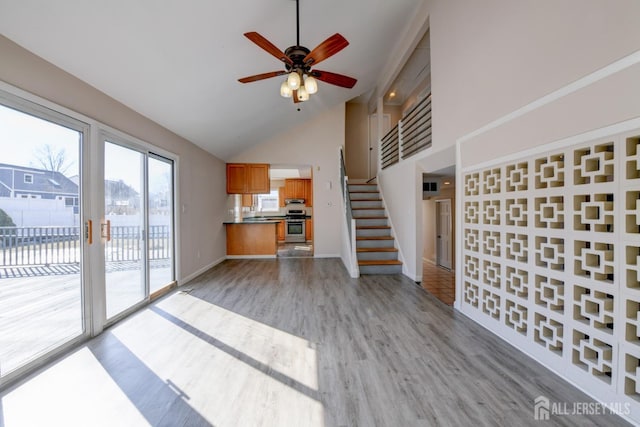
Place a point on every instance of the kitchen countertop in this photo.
(262, 220)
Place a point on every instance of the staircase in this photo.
(374, 244)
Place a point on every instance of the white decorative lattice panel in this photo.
(551, 259)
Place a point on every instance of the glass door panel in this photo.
(41, 298)
(160, 190)
(124, 228)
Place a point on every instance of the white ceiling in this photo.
(177, 61)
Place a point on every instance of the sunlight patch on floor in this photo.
(76, 391)
(230, 369)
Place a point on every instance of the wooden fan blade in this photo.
(268, 46)
(326, 49)
(261, 76)
(334, 79)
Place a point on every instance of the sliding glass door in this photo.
(41, 234)
(161, 205)
(137, 230)
(123, 229)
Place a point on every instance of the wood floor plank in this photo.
(295, 342)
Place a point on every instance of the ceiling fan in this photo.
(298, 60)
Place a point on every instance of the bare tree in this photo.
(51, 159)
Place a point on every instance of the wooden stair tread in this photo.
(380, 262)
(374, 238)
(372, 227)
(376, 250)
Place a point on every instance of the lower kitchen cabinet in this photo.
(308, 229)
(281, 226)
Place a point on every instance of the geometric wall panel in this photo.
(593, 164)
(593, 212)
(472, 240)
(549, 172)
(548, 333)
(491, 243)
(491, 273)
(549, 212)
(551, 259)
(517, 282)
(516, 212)
(491, 304)
(517, 247)
(491, 181)
(549, 252)
(593, 355)
(594, 260)
(593, 308)
(549, 293)
(517, 177)
(516, 317)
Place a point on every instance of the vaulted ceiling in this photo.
(177, 62)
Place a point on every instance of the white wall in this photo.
(402, 197)
(490, 58)
(314, 143)
(202, 177)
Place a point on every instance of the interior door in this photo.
(374, 140)
(443, 233)
(124, 228)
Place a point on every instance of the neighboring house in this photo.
(120, 198)
(20, 182)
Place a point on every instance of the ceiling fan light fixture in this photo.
(303, 95)
(285, 90)
(293, 80)
(311, 84)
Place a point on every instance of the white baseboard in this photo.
(430, 261)
(200, 271)
(326, 255)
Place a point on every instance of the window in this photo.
(268, 202)
(28, 178)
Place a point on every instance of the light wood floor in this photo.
(439, 282)
(292, 342)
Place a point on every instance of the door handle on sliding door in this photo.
(88, 231)
(105, 230)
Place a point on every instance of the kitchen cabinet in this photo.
(281, 226)
(281, 196)
(308, 192)
(308, 229)
(298, 189)
(248, 178)
(251, 238)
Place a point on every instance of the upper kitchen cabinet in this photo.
(248, 178)
(299, 189)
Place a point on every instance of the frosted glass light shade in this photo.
(303, 95)
(285, 90)
(293, 80)
(311, 84)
